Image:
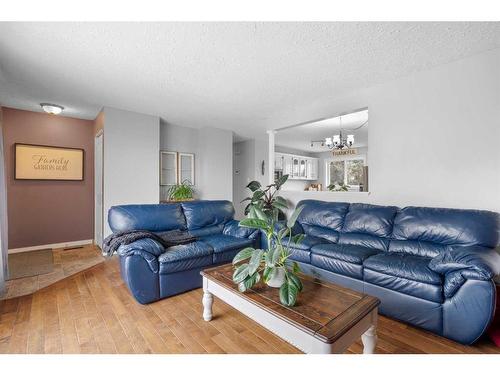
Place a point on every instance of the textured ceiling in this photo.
(238, 76)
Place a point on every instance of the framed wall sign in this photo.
(38, 162)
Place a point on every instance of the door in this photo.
(98, 189)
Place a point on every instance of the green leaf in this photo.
(243, 254)
(249, 282)
(296, 268)
(254, 263)
(291, 222)
(258, 194)
(260, 214)
(268, 273)
(270, 256)
(253, 223)
(279, 205)
(251, 213)
(240, 273)
(283, 232)
(281, 181)
(276, 255)
(298, 238)
(293, 279)
(288, 294)
(254, 185)
(246, 199)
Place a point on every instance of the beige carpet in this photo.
(30, 263)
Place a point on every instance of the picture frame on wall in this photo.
(48, 163)
(176, 168)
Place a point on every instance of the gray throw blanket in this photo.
(166, 239)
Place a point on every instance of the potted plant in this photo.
(181, 192)
(341, 187)
(266, 198)
(271, 266)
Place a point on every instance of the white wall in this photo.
(181, 139)
(131, 159)
(434, 137)
(216, 163)
(247, 159)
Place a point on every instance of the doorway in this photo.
(98, 189)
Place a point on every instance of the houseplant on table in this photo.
(272, 265)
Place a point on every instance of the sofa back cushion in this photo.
(428, 231)
(322, 219)
(368, 225)
(201, 214)
(151, 217)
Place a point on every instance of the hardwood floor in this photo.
(93, 312)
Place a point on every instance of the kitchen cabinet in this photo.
(297, 167)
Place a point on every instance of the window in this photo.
(346, 172)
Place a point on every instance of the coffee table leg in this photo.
(369, 339)
(207, 300)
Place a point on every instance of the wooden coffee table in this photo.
(326, 319)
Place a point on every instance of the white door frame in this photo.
(98, 188)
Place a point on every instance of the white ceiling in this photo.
(238, 76)
(300, 137)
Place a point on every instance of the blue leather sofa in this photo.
(150, 271)
(430, 267)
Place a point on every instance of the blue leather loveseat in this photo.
(152, 272)
(430, 267)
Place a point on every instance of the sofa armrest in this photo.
(232, 228)
(476, 262)
(146, 248)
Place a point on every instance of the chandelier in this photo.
(337, 141)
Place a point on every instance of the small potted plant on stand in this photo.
(272, 265)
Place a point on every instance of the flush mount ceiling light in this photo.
(53, 109)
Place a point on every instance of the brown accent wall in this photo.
(45, 212)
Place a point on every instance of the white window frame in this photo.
(344, 159)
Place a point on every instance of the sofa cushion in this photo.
(321, 232)
(347, 253)
(301, 252)
(207, 231)
(323, 214)
(226, 247)
(404, 273)
(152, 217)
(337, 266)
(444, 226)
(200, 214)
(369, 219)
(364, 240)
(185, 257)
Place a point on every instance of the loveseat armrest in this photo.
(481, 263)
(232, 228)
(146, 248)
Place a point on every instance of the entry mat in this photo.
(30, 263)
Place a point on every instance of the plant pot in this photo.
(278, 278)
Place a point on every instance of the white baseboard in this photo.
(51, 246)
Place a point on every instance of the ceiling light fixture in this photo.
(53, 109)
(337, 141)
